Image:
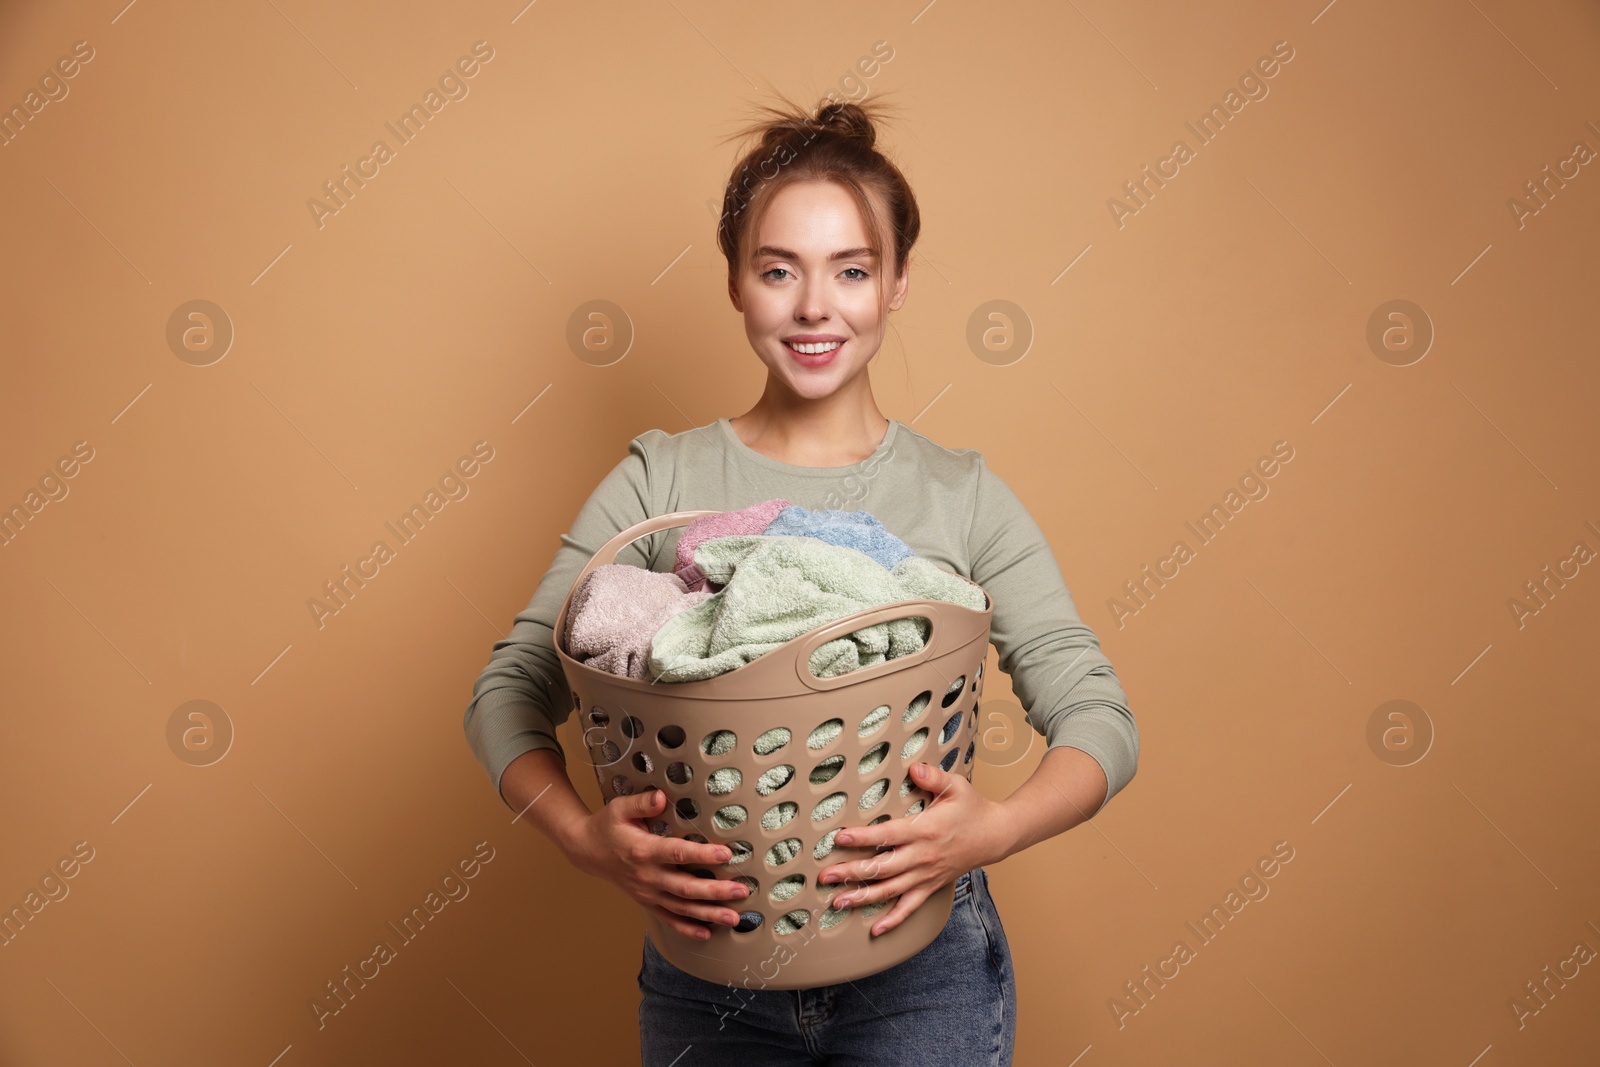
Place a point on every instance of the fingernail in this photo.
(724, 855)
(844, 839)
(829, 878)
(878, 929)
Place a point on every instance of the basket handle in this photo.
(611, 549)
(608, 552)
(928, 609)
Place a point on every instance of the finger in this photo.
(641, 805)
(935, 780)
(720, 914)
(883, 838)
(678, 922)
(874, 869)
(688, 886)
(874, 835)
(908, 903)
(876, 891)
(682, 850)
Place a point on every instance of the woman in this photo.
(817, 230)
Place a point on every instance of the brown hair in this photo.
(835, 143)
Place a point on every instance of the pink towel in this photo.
(615, 613)
(750, 520)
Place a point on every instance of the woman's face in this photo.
(812, 283)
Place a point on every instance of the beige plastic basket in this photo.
(646, 735)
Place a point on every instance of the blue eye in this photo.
(858, 270)
(775, 270)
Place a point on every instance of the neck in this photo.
(834, 431)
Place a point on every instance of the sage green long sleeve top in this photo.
(945, 504)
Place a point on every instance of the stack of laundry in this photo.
(746, 582)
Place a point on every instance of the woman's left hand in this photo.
(961, 829)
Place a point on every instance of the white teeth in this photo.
(813, 350)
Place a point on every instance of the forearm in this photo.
(1064, 790)
(535, 785)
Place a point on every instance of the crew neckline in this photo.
(767, 461)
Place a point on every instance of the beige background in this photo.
(431, 312)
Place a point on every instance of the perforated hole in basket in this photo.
(771, 741)
(718, 742)
(823, 772)
(679, 773)
(723, 781)
(950, 727)
(774, 779)
(875, 755)
(670, 737)
(828, 807)
(954, 691)
(874, 793)
(832, 916)
(913, 744)
(874, 721)
(730, 815)
(786, 887)
(783, 851)
(791, 922)
(779, 814)
(825, 734)
(918, 705)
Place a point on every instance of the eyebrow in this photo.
(766, 251)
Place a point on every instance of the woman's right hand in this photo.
(616, 844)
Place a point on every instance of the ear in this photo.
(901, 284)
(733, 294)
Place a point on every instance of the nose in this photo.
(810, 305)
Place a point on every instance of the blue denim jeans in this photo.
(953, 1004)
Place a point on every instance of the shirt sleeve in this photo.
(521, 695)
(1057, 670)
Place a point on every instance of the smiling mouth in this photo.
(818, 349)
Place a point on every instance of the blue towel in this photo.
(859, 530)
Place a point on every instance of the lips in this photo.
(818, 359)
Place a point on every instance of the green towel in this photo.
(776, 588)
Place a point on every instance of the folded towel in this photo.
(615, 611)
(750, 520)
(849, 529)
(776, 588)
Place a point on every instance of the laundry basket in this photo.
(798, 742)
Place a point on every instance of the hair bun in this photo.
(848, 119)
